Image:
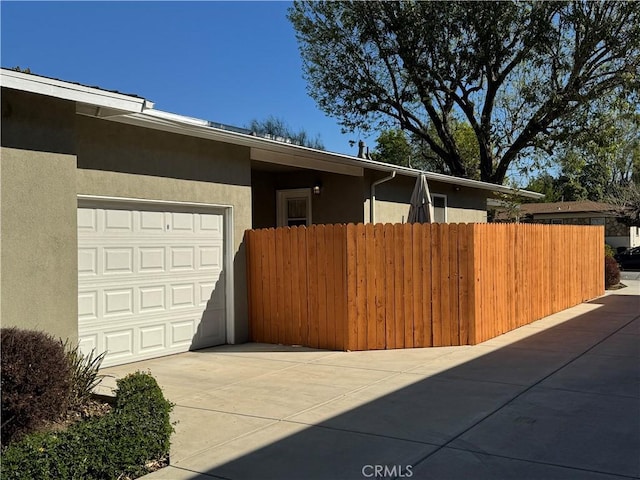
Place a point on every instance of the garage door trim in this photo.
(97, 201)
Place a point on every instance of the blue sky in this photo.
(228, 62)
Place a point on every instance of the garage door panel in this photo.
(152, 298)
(182, 222)
(182, 332)
(151, 260)
(152, 222)
(87, 220)
(118, 343)
(118, 302)
(87, 305)
(117, 221)
(210, 258)
(182, 258)
(182, 296)
(210, 223)
(88, 261)
(149, 282)
(206, 292)
(118, 261)
(88, 343)
(152, 338)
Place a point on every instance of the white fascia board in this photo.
(296, 155)
(70, 91)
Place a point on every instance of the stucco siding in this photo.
(456, 214)
(38, 257)
(464, 205)
(123, 161)
(339, 201)
(35, 122)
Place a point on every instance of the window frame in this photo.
(282, 216)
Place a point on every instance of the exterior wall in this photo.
(35, 122)
(38, 252)
(38, 255)
(50, 155)
(124, 161)
(339, 201)
(392, 200)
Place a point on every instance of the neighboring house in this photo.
(122, 226)
(617, 234)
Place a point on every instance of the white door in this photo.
(150, 282)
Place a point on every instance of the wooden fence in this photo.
(365, 287)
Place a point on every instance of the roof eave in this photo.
(70, 91)
(166, 121)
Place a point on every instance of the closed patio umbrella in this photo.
(421, 208)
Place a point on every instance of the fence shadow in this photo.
(559, 403)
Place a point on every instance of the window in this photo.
(439, 208)
(557, 221)
(294, 207)
(597, 221)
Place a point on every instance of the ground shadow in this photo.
(561, 403)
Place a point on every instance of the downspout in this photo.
(372, 214)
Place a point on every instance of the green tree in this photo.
(596, 166)
(525, 76)
(546, 184)
(393, 146)
(277, 129)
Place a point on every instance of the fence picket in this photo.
(352, 297)
(370, 274)
(361, 286)
(407, 284)
(380, 277)
(417, 263)
(389, 286)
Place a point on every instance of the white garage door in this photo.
(150, 282)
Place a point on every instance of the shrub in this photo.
(116, 445)
(608, 250)
(35, 381)
(611, 272)
(84, 374)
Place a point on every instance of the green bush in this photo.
(84, 374)
(608, 251)
(611, 272)
(35, 381)
(118, 444)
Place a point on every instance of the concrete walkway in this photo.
(557, 399)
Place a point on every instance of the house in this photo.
(586, 212)
(122, 225)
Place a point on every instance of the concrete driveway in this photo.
(557, 399)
